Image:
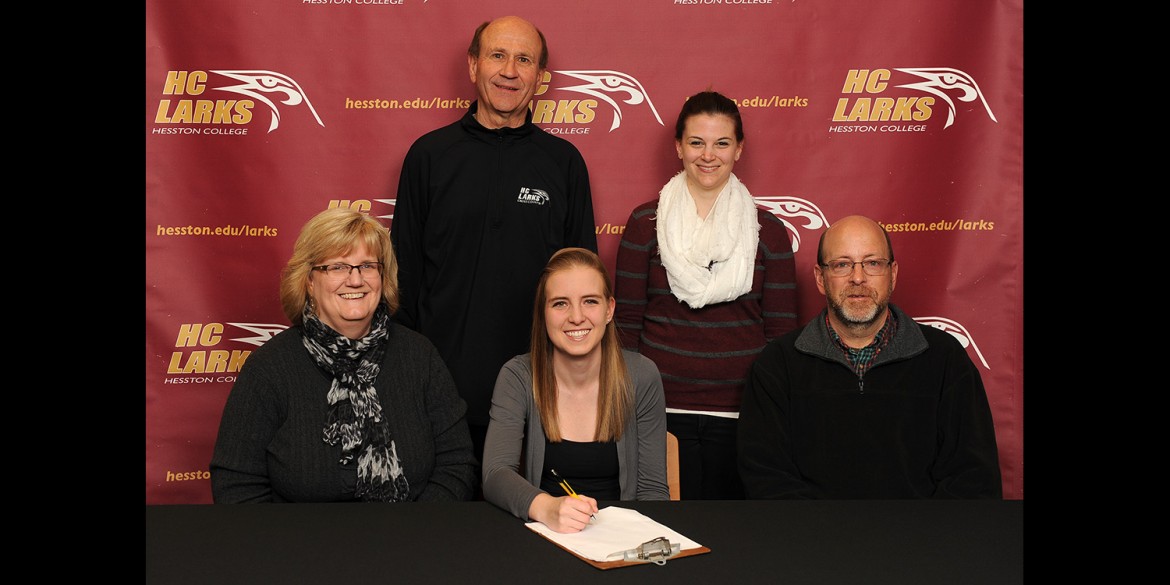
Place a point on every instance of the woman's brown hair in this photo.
(614, 401)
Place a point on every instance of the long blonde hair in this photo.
(614, 401)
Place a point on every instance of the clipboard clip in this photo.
(656, 551)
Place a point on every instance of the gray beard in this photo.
(857, 320)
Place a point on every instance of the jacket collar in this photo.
(908, 340)
(473, 126)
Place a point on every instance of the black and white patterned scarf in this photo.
(355, 414)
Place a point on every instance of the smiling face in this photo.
(576, 311)
(506, 72)
(347, 304)
(708, 150)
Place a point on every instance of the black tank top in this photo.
(590, 468)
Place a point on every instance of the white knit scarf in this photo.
(713, 260)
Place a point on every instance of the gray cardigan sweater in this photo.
(515, 427)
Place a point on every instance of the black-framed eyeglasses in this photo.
(871, 266)
(341, 271)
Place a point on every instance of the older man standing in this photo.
(863, 402)
(482, 205)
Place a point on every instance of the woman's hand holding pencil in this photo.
(566, 514)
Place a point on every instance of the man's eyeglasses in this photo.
(871, 266)
(342, 271)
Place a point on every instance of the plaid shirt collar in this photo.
(861, 359)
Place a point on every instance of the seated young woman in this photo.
(577, 404)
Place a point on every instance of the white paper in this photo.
(613, 530)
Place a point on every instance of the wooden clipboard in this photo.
(604, 565)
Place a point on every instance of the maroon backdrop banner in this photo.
(261, 113)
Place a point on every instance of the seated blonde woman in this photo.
(577, 404)
(345, 405)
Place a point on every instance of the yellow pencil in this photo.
(564, 484)
(568, 489)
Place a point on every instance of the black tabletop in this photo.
(784, 542)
